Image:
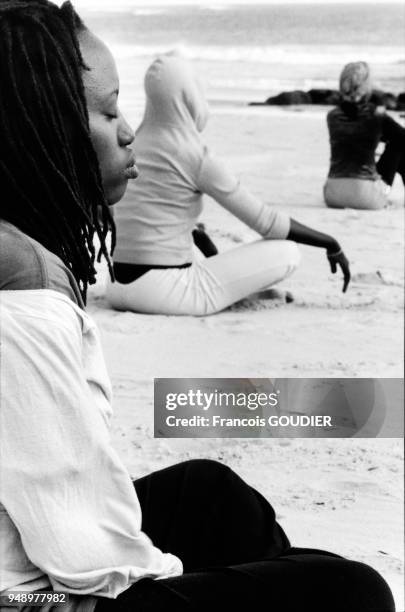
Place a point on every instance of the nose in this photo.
(126, 134)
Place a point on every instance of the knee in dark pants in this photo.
(208, 470)
(348, 586)
(372, 592)
(329, 584)
(207, 465)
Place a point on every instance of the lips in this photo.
(131, 170)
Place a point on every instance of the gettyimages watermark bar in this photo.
(278, 407)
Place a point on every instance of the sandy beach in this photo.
(282, 156)
(343, 495)
(328, 363)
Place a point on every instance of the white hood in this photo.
(174, 95)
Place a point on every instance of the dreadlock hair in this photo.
(49, 174)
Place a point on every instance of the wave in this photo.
(288, 54)
(263, 84)
(217, 7)
(145, 12)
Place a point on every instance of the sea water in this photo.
(248, 53)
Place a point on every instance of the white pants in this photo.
(355, 193)
(210, 285)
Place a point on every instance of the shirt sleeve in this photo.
(393, 132)
(216, 181)
(62, 484)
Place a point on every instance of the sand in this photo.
(343, 495)
(282, 156)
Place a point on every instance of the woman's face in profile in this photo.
(110, 133)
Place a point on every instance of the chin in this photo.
(114, 195)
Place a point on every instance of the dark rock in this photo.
(383, 98)
(324, 96)
(289, 97)
(331, 97)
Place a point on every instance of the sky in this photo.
(113, 4)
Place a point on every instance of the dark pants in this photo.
(392, 160)
(235, 555)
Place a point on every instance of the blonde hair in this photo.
(355, 82)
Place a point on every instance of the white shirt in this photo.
(70, 518)
(156, 217)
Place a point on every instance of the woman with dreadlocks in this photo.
(190, 537)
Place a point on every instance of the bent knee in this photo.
(290, 254)
(211, 465)
(207, 469)
(113, 295)
(373, 592)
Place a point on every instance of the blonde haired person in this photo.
(356, 127)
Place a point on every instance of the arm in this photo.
(62, 484)
(393, 132)
(306, 235)
(215, 180)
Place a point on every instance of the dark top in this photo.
(126, 273)
(26, 264)
(354, 133)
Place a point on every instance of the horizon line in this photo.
(108, 4)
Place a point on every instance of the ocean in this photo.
(247, 53)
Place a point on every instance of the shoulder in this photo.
(334, 112)
(370, 112)
(386, 118)
(21, 265)
(41, 313)
(334, 116)
(25, 264)
(215, 175)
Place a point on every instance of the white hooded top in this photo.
(156, 217)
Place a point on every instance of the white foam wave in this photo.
(145, 12)
(289, 54)
(263, 84)
(217, 7)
